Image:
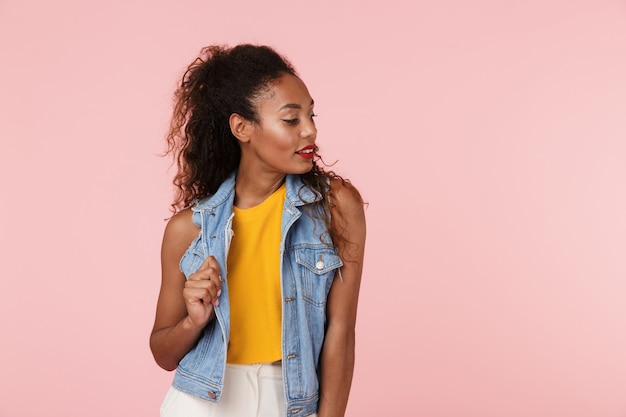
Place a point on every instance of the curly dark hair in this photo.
(222, 81)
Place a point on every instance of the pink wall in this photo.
(488, 137)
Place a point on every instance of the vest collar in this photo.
(298, 194)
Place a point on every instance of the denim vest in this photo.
(307, 268)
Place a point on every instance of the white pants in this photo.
(249, 391)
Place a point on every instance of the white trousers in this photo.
(249, 391)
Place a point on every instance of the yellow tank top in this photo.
(254, 282)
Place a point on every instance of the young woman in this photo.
(261, 264)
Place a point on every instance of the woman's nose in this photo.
(309, 130)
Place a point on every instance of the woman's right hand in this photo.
(201, 292)
(185, 306)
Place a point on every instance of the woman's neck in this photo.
(251, 189)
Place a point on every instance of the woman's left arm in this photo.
(337, 357)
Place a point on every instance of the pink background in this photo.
(488, 137)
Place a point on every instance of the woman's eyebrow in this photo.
(294, 106)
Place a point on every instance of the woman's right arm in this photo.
(184, 306)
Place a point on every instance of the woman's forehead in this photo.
(286, 91)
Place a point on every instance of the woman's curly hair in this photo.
(222, 81)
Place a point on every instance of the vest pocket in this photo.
(317, 270)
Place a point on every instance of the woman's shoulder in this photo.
(348, 219)
(181, 229)
(346, 197)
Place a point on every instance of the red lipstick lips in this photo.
(308, 152)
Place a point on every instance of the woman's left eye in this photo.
(296, 120)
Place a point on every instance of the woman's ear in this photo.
(240, 127)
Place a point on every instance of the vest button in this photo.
(212, 395)
(319, 265)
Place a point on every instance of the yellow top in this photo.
(254, 282)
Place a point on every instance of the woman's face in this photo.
(283, 142)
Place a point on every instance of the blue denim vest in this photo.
(308, 267)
